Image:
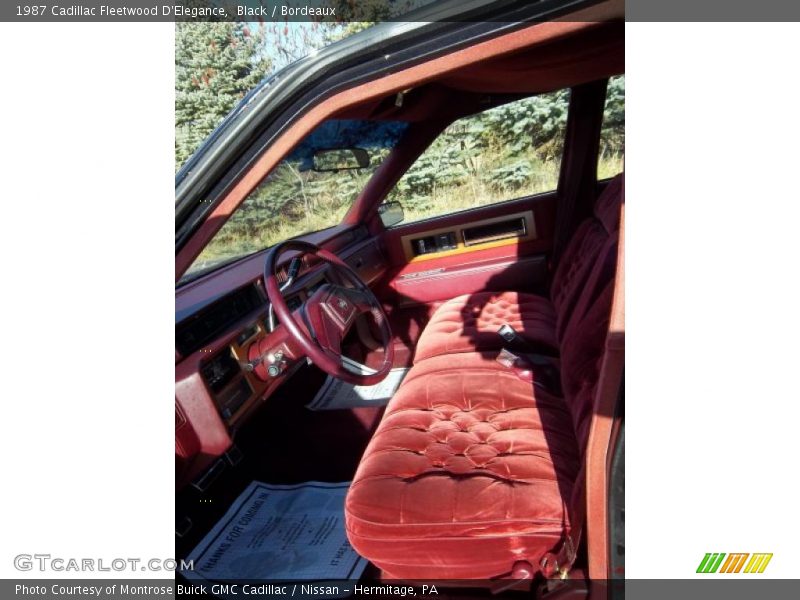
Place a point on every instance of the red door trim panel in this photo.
(443, 283)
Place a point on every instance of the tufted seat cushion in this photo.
(468, 322)
(467, 472)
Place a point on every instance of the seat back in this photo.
(583, 334)
(585, 250)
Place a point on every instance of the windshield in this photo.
(295, 199)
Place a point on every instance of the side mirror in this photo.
(391, 213)
(340, 159)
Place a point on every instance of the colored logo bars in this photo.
(713, 563)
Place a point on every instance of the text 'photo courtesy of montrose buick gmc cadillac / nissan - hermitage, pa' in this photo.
(399, 314)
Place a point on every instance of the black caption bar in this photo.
(339, 11)
(343, 11)
(743, 588)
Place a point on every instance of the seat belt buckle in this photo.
(552, 570)
(508, 359)
(516, 364)
(507, 332)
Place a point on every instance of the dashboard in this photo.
(228, 361)
(237, 375)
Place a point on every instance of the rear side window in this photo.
(612, 135)
(500, 154)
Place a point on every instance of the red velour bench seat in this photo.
(473, 466)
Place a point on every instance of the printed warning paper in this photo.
(280, 533)
(337, 394)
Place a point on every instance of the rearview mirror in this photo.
(340, 159)
(391, 213)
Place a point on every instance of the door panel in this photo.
(485, 233)
(498, 247)
(428, 287)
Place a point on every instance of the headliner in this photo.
(557, 64)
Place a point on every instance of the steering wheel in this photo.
(328, 315)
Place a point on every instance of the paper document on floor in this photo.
(338, 394)
(280, 533)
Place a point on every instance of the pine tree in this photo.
(216, 64)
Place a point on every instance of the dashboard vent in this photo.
(199, 329)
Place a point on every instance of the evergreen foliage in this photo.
(216, 64)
